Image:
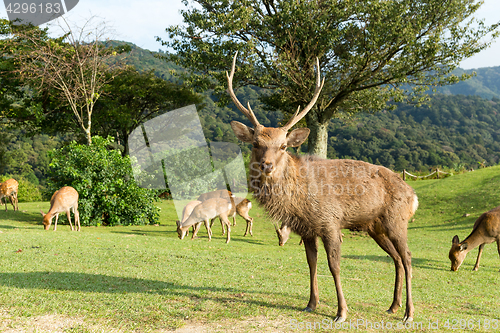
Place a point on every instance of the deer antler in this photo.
(247, 112)
(298, 116)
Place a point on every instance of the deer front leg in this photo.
(196, 228)
(479, 253)
(332, 246)
(311, 246)
(55, 223)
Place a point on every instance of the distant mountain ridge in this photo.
(486, 83)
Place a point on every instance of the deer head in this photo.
(270, 144)
(457, 253)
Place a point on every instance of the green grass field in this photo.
(144, 279)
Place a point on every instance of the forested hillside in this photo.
(456, 129)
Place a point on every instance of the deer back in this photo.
(62, 200)
(8, 187)
(207, 210)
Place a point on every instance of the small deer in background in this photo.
(9, 189)
(486, 230)
(63, 200)
(242, 207)
(317, 197)
(188, 209)
(204, 212)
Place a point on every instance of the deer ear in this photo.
(463, 247)
(242, 131)
(455, 240)
(296, 137)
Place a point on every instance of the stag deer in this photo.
(8, 189)
(63, 200)
(486, 230)
(318, 197)
(204, 212)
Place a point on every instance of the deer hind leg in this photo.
(479, 253)
(249, 226)
(311, 246)
(401, 246)
(225, 220)
(384, 242)
(332, 245)
(209, 230)
(13, 201)
(77, 217)
(498, 246)
(69, 219)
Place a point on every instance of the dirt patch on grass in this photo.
(58, 323)
(254, 324)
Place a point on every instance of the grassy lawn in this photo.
(143, 278)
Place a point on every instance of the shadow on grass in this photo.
(415, 262)
(98, 283)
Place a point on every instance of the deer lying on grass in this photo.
(8, 189)
(63, 200)
(204, 212)
(486, 230)
(317, 197)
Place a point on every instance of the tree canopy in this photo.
(370, 52)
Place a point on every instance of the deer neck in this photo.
(475, 239)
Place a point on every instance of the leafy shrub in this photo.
(28, 191)
(103, 178)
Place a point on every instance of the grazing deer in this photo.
(486, 230)
(8, 189)
(63, 200)
(243, 206)
(204, 212)
(317, 197)
(185, 214)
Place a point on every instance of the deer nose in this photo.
(266, 167)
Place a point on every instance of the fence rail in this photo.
(435, 172)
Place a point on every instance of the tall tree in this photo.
(74, 65)
(133, 98)
(370, 52)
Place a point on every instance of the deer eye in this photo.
(283, 147)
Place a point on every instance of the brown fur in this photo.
(317, 198)
(63, 200)
(486, 230)
(8, 189)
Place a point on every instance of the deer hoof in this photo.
(407, 319)
(339, 319)
(307, 309)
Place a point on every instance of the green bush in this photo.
(27, 192)
(108, 194)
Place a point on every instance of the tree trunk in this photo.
(318, 138)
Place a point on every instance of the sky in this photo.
(140, 21)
